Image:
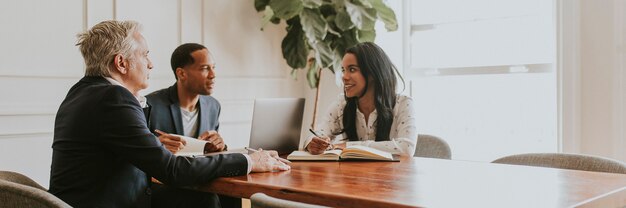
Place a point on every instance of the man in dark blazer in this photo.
(165, 113)
(187, 107)
(103, 152)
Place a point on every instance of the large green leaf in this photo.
(386, 14)
(348, 39)
(323, 53)
(311, 3)
(334, 32)
(267, 16)
(332, 27)
(335, 66)
(366, 35)
(286, 9)
(294, 74)
(363, 18)
(313, 24)
(365, 3)
(342, 20)
(259, 5)
(366, 11)
(294, 48)
(327, 9)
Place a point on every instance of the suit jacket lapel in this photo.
(175, 110)
(202, 117)
(178, 121)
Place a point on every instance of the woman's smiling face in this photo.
(353, 79)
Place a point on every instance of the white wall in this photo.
(39, 62)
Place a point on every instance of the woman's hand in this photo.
(318, 145)
(171, 142)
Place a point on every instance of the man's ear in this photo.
(120, 63)
(180, 73)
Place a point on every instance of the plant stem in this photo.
(317, 96)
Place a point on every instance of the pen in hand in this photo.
(315, 133)
(330, 146)
(278, 158)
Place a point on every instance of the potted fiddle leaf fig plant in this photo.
(319, 31)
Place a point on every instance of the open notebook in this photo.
(349, 153)
(193, 147)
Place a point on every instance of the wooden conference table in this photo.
(424, 182)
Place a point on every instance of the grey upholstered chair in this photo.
(17, 190)
(432, 146)
(566, 161)
(260, 200)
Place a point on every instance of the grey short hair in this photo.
(100, 44)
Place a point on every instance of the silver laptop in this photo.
(276, 124)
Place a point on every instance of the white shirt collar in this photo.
(141, 99)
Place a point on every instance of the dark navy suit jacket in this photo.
(165, 112)
(104, 153)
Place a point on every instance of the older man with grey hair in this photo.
(103, 152)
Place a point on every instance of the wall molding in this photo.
(22, 112)
(41, 76)
(28, 110)
(237, 101)
(27, 135)
(236, 122)
(202, 16)
(179, 5)
(619, 88)
(568, 75)
(85, 15)
(114, 9)
(406, 36)
(232, 77)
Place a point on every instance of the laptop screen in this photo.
(276, 124)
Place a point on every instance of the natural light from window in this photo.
(483, 75)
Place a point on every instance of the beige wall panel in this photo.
(98, 11)
(236, 121)
(233, 32)
(620, 69)
(33, 95)
(160, 28)
(191, 21)
(38, 37)
(30, 155)
(250, 88)
(236, 135)
(26, 124)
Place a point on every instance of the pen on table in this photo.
(279, 158)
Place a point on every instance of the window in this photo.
(483, 75)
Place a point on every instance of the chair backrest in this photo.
(432, 147)
(566, 161)
(17, 190)
(260, 200)
(19, 178)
